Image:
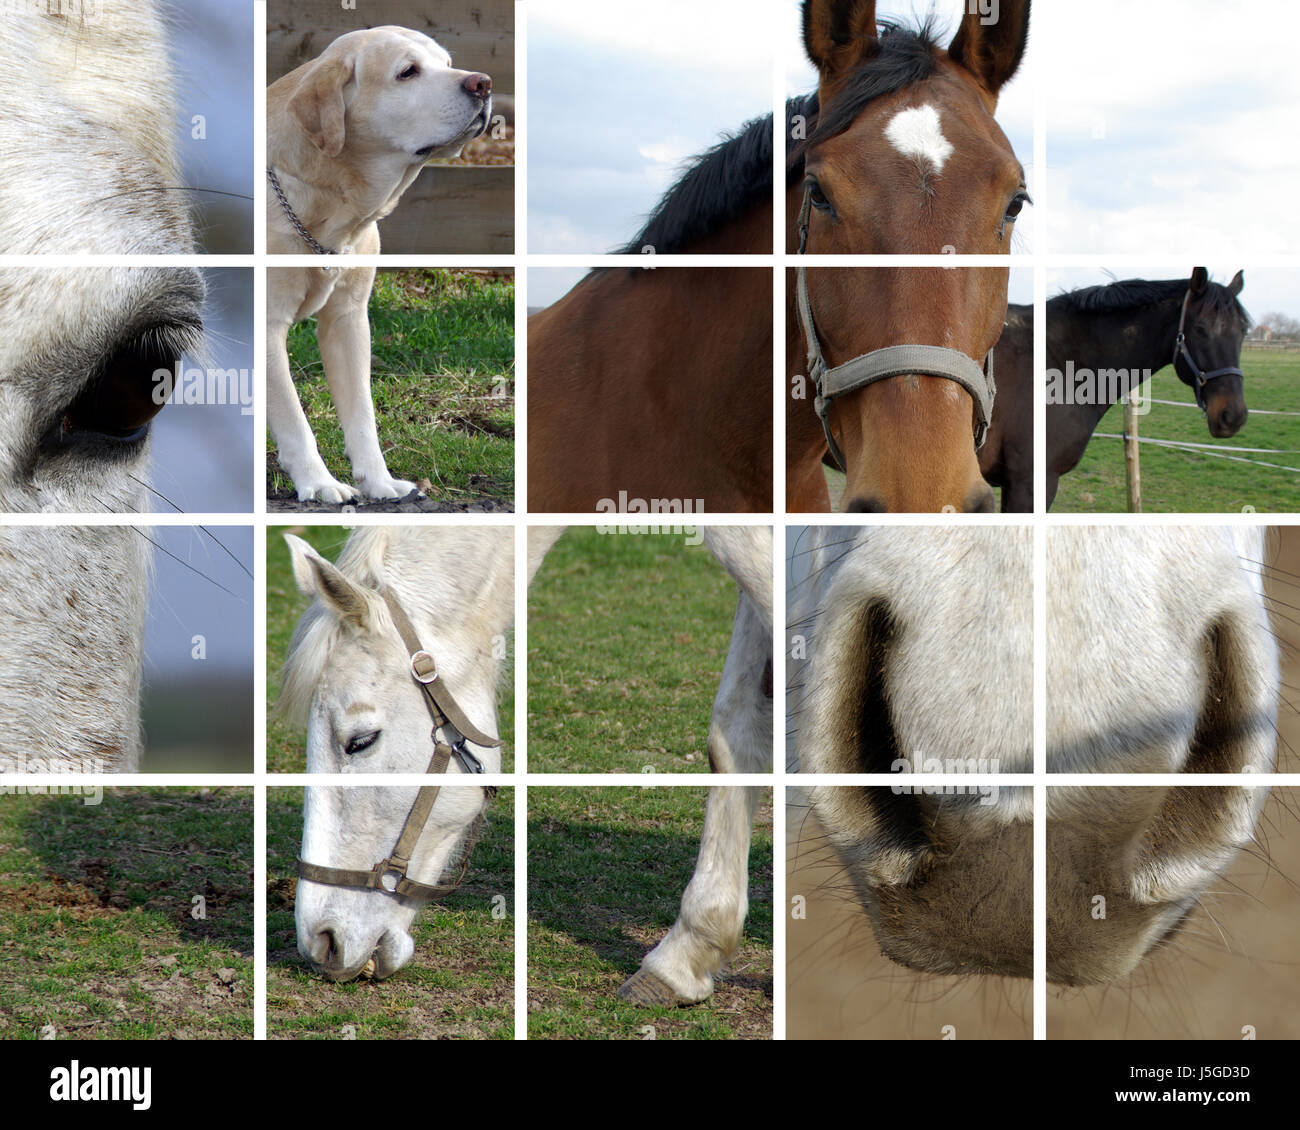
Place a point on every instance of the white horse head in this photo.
(348, 678)
(1160, 659)
(88, 134)
(72, 606)
(84, 357)
(912, 650)
(918, 642)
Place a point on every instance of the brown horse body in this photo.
(650, 390)
(902, 156)
(653, 386)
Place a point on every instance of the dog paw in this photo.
(387, 488)
(330, 491)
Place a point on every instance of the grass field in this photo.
(98, 926)
(285, 751)
(606, 872)
(627, 635)
(1186, 482)
(459, 984)
(442, 344)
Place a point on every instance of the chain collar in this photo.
(298, 225)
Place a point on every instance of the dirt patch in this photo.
(413, 503)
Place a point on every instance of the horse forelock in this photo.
(905, 57)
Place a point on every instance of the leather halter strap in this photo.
(1199, 376)
(883, 364)
(389, 874)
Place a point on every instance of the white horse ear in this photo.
(316, 577)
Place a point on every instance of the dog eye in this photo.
(409, 73)
(361, 742)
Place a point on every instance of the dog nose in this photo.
(478, 84)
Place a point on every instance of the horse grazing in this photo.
(890, 620)
(353, 679)
(349, 678)
(649, 388)
(897, 152)
(1103, 341)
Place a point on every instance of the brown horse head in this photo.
(1215, 325)
(902, 156)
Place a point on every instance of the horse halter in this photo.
(389, 874)
(882, 364)
(1199, 376)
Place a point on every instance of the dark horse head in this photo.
(1207, 350)
(899, 153)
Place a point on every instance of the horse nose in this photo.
(1230, 421)
(325, 948)
(478, 84)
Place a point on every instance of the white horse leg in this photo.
(707, 933)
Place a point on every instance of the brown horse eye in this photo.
(125, 393)
(817, 196)
(1017, 205)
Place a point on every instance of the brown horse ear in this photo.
(1200, 280)
(839, 35)
(991, 45)
(317, 105)
(1238, 281)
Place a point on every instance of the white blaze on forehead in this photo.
(917, 133)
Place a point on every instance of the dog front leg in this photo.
(343, 331)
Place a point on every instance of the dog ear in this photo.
(317, 105)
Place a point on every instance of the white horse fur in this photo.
(89, 167)
(87, 133)
(347, 678)
(919, 645)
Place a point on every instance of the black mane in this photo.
(721, 185)
(1131, 294)
(906, 56)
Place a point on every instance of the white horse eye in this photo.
(361, 742)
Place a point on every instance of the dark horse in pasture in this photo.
(1103, 341)
(1007, 457)
(898, 152)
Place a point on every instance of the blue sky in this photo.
(620, 95)
(1171, 127)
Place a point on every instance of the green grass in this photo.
(627, 635)
(606, 872)
(97, 925)
(285, 750)
(442, 374)
(459, 984)
(1185, 482)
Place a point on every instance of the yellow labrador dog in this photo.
(347, 134)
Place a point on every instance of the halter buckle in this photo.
(388, 876)
(423, 668)
(468, 761)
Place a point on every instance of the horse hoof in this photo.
(645, 989)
